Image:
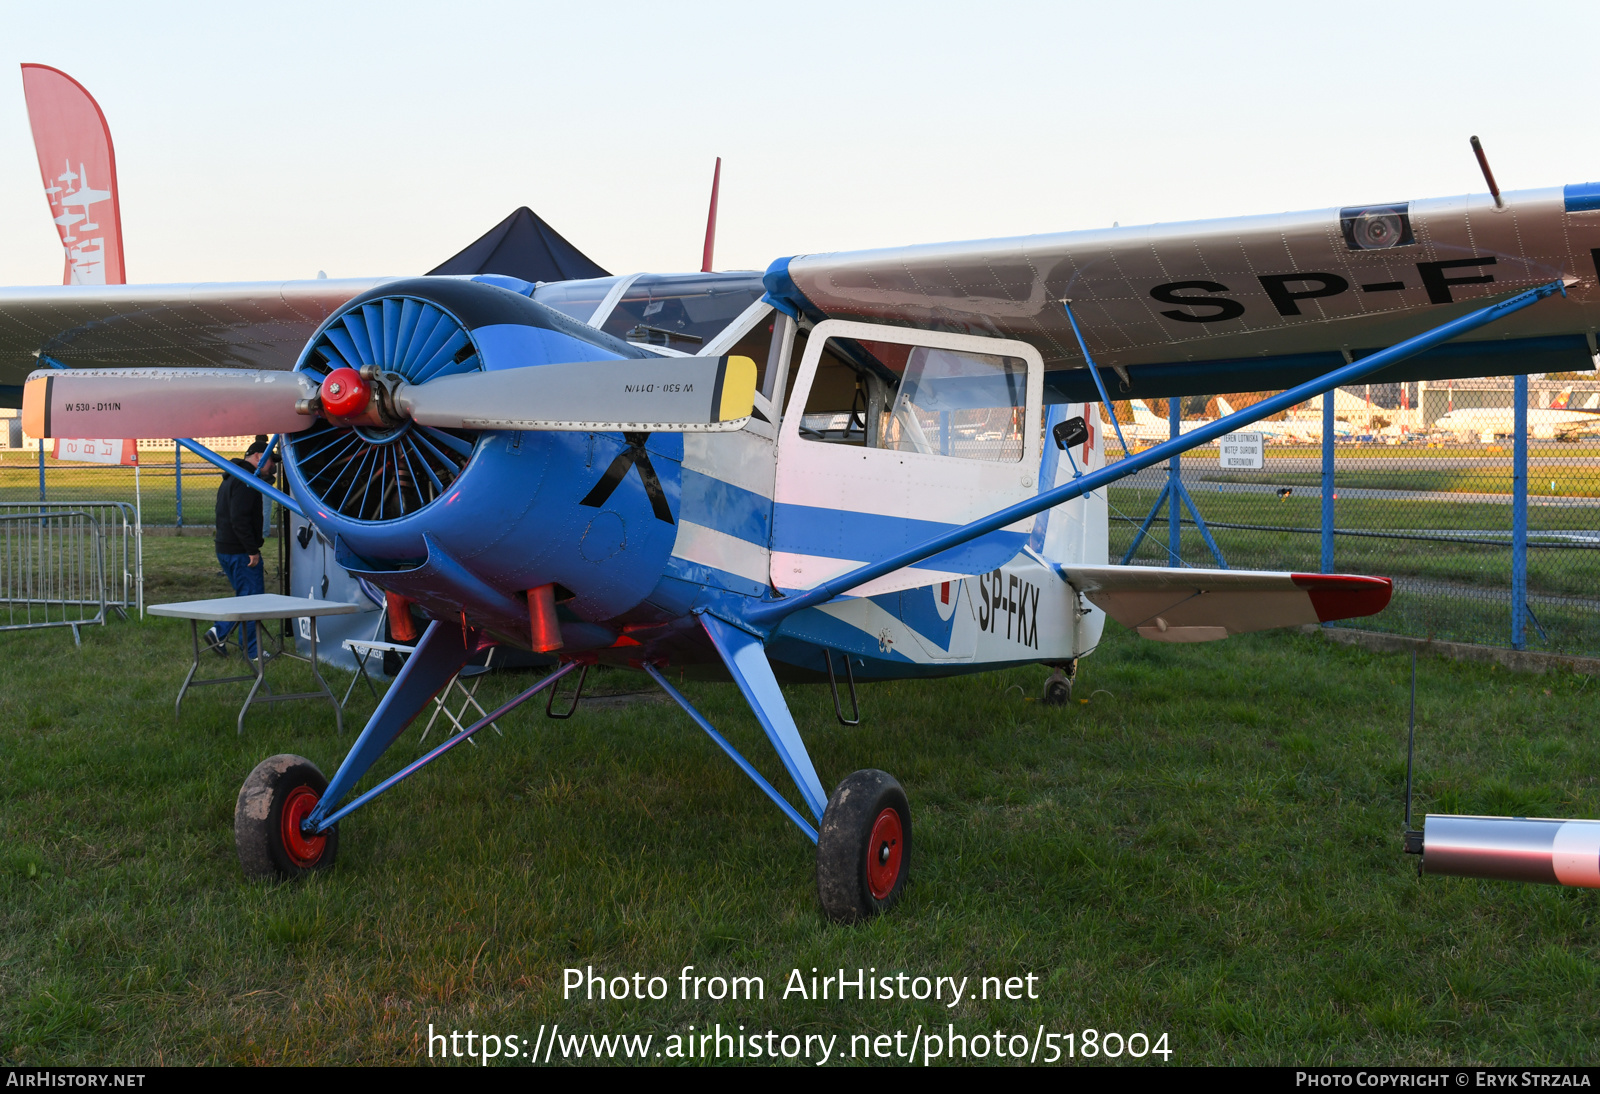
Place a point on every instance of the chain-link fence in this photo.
(1420, 483)
(1423, 484)
(171, 491)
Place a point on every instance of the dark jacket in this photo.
(239, 518)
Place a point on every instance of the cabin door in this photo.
(891, 436)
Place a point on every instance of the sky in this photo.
(278, 139)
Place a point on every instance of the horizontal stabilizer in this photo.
(1186, 605)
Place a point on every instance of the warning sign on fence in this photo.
(122, 453)
(1241, 451)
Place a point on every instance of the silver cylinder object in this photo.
(1553, 852)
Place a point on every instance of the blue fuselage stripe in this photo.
(733, 510)
(842, 533)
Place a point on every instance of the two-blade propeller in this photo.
(666, 395)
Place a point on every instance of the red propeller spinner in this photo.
(345, 394)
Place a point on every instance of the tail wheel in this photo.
(864, 847)
(267, 820)
(1058, 687)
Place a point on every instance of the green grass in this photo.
(1209, 847)
(1459, 571)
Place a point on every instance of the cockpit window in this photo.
(577, 299)
(918, 399)
(682, 311)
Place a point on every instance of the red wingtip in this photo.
(1345, 596)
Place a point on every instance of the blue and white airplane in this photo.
(883, 464)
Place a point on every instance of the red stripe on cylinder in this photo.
(545, 627)
(1345, 596)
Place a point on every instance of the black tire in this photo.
(268, 843)
(859, 876)
(1057, 692)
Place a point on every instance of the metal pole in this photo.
(247, 477)
(1327, 482)
(41, 468)
(1174, 483)
(177, 476)
(138, 539)
(771, 613)
(1519, 515)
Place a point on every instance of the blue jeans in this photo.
(247, 580)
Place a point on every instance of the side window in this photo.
(918, 399)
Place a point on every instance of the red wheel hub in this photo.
(884, 852)
(345, 394)
(304, 851)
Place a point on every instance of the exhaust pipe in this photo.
(1550, 852)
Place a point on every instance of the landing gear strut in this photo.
(863, 847)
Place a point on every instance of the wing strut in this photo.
(770, 613)
(1094, 371)
(254, 482)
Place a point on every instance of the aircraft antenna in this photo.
(1488, 175)
(711, 218)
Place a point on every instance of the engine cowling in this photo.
(468, 521)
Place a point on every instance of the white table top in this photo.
(237, 609)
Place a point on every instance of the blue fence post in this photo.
(1174, 485)
(41, 468)
(1327, 482)
(1519, 514)
(177, 477)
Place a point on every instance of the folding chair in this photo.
(364, 648)
(469, 698)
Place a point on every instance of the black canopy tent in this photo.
(523, 246)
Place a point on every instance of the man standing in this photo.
(239, 538)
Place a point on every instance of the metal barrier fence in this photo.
(1481, 498)
(115, 529)
(52, 570)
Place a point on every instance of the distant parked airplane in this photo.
(1302, 431)
(1557, 419)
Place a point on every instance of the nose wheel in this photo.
(863, 847)
(267, 820)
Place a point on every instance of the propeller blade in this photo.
(163, 402)
(658, 395)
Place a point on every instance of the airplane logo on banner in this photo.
(74, 146)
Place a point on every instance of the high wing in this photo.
(1243, 304)
(262, 325)
(1189, 605)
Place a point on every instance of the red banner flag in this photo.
(79, 169)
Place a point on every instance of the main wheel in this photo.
(863, 847)
(278, 795)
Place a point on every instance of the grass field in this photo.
(1459, 591)
(1207, 848)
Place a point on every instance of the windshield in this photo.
(681, 311)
